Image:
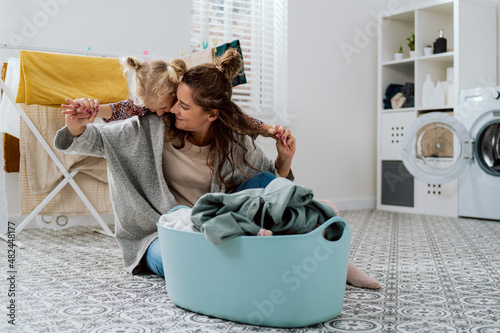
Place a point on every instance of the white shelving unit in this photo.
(470, 30)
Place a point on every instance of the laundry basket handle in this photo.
(329, 222)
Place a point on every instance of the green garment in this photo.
(282, 207)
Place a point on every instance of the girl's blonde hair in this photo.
(155, 79)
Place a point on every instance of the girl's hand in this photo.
(81, 107)
(79, 113)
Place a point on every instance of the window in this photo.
(261, 27)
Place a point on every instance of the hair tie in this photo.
(219, 68)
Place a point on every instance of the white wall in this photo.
(331, 95)
(123, 27)
(332, 92)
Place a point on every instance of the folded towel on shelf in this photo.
(67, 201)
(408, 91)
(43, 173)
(9, 116)
(399, 96)
(391, 90)
(49, 78)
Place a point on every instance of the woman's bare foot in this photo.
(331, 204)
(265, 232)
(360, 279)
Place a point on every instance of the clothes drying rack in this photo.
(68, 176)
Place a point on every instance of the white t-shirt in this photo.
(186, 172)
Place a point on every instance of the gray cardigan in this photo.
(140, 195)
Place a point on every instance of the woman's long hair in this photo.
(212, 89)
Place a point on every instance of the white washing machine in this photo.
(439, 148)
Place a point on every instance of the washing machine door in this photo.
(436, 148)
(487, 147)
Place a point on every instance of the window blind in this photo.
(261, 27)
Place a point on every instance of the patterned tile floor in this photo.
(439, 275)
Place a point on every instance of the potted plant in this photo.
(428, 50)
(399, 55)
(410, 41)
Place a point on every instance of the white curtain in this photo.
(261, 26)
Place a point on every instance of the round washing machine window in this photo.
(435, 148)
(487, 148)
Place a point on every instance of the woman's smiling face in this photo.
(189, 116)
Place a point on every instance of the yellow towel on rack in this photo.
(49, 78)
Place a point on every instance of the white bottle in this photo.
(449, 74)
(428, 92)
(439, 94)
(450, 94)
(444, 86)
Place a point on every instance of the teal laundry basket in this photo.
(279, 281)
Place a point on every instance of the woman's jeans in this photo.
(153, 254)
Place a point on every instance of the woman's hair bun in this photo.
(229, 63)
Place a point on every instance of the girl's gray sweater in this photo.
(139, 193)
